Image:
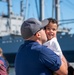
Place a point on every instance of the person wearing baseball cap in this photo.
(33, 58)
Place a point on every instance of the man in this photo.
(33, 58)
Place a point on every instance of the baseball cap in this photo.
(31, 26)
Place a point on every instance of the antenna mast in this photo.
(41, 10)
(9, 7)
(21, 6)
(57, 10)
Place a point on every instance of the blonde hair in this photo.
(1, 51)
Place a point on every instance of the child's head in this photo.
(51, 28)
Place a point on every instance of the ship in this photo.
(67, 45)
(10, 37)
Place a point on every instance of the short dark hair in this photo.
(1, 51)
(52, 20)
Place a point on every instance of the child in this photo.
(51, 32)
(52, 43)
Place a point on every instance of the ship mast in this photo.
(41, 10)
(57, 10)
(9, 8)
(21, 6)
(57, 16)
(9, 5)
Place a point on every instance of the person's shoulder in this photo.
(1, 62)
(1, 58)
(54, 40)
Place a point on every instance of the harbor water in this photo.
(12, 70)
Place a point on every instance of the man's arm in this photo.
(53, 62)
(65, 60)
(63, 70)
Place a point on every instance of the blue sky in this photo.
(66, 9)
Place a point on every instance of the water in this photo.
(12, 71)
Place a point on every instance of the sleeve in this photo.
(50, 59)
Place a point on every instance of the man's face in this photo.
(51, 30)
(43, 36)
